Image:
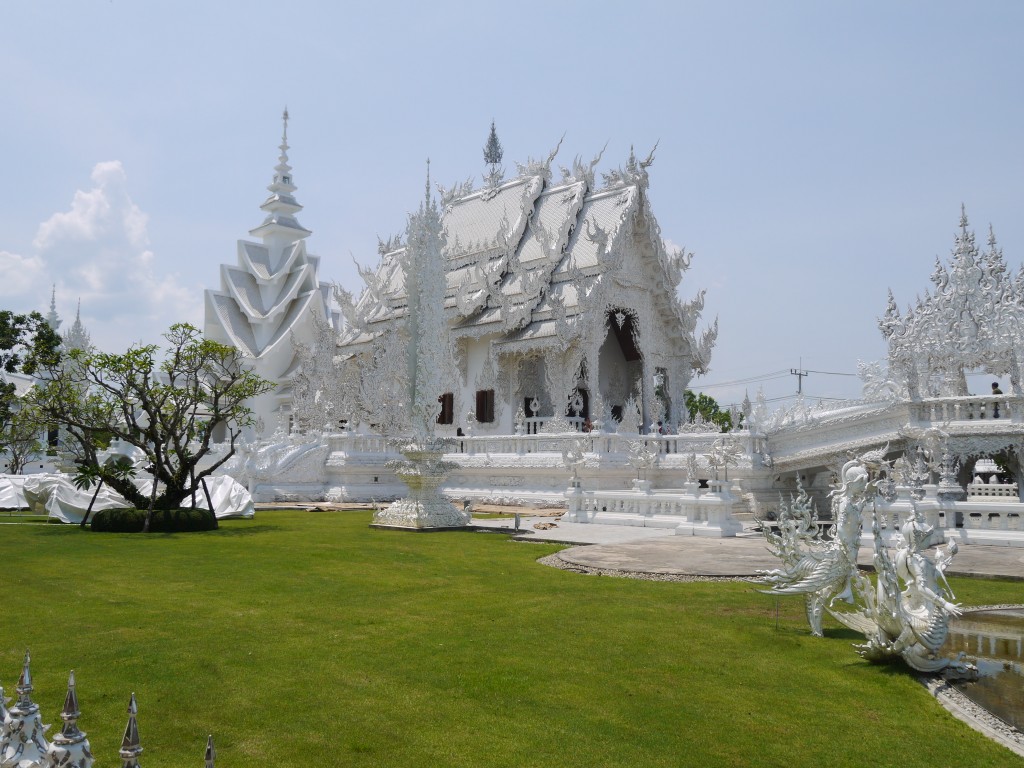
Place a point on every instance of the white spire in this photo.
(51, 317)
(77, 337)
(282, 206)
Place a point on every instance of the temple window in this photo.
(447, 414)
(485, 406)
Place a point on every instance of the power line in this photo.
(750, 380)
(831, 373)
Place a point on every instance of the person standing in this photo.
(995, 406)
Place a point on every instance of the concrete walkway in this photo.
(660, 551)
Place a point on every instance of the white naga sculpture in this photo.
(904, 613)
(426, 357)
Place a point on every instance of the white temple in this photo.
(562, 361)
(566, 357)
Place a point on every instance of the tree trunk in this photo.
(209, 503)
(91, 502)
(149, 512)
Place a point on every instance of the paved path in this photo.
(660, 551)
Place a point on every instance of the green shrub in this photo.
(164, 521)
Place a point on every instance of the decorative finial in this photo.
(963, 218)
(493, 151)
(130, 747)
(426, 195)
(211, 753)
(70, 712)
(24, 687)
(284, 117)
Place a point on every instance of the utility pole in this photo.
(799, 373)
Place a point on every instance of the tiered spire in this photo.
(51, 317)
(130, 747)
(77, 337)
(492, 157)
(281, 206)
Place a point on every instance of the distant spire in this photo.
(77, 337)
(492, 157)
(51, 317)
(493, 151)
(130, 747)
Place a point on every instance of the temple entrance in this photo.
(620, 363)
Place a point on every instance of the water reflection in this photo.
(995, 639)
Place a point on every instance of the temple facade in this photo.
(562, 307)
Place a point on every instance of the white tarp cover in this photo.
(11, 494)
(230, 498)
(57, 497)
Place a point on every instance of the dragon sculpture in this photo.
(905, 612)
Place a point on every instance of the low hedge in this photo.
(164, 521)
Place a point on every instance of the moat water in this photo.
(994, 640)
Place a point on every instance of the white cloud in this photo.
(21, 273)
(98, 251)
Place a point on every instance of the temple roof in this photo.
(525, 252)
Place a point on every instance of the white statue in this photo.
(905, 613)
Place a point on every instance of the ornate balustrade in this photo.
(980, 491)
(942, 410)
(998, 521)
(690, 511)
(594, 442)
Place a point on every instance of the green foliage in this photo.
(303, 639)
(163, 521)
(709, 409)
(167, 407)
(27, 344)
(19, 438)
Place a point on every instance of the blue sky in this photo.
(812, 154)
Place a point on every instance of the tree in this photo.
(27, 343)
(169, 409)
(19, 438)
(709, 409)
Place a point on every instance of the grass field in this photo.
(310, 639)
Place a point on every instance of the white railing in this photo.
(980, 491)
(972, 408)
(594, 442)
(533, 425)
(995, 520)
(691, 511)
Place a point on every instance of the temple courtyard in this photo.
(309, 638)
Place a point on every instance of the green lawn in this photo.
(302, 639)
